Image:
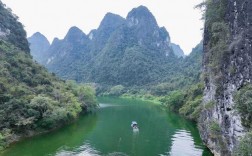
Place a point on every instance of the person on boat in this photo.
(134, 124)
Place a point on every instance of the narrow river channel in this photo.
(108, 132)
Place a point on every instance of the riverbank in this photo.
(185, 102)
(148, 98)
(13, 138)
(108, 132)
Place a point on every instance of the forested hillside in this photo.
(184, 94)
(31, 99)
(132, 56)
(131, 52)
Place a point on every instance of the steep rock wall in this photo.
(220, 124)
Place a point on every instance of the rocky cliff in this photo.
(227, 66)
(177, 50)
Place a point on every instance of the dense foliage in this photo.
(244, 147)
(186, 102)
(243, 104)
(33, 99)
(12, 30)
(182, 74)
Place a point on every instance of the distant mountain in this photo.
(39, 46)
(108, 25)
(66, 56)
(131, 51)
(177, 50)
(192, 63)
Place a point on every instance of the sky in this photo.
(53, 18)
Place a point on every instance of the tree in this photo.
(41, 104)
(243, 104)
(116, 90)
(244, 146)
(174, 101)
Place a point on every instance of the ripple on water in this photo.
(84, 150)
(104, 105)
(183, 144)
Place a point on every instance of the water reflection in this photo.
(84, 150)
(183, 144)
(105, 105)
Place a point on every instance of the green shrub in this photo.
(162, 88)
(244, 146)
(196, 113)
(116, 90)
(1, 142)
(174, 101)
(191, 109)
(210, 105)
(193, 98)
(243, 104)
(87, 97)
(214, 128)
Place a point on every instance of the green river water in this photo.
(107, 132)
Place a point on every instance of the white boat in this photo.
(134, 126)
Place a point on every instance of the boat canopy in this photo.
(134, 123)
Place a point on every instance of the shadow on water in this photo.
(108, 132)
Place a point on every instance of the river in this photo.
(107, 132)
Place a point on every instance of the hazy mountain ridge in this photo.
(39, 45)
(131, 51)
(177, 50)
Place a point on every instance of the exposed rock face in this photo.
(108, 26)
(236, 70)
(68, 53)
(145, 30)
(39, 46)
(177, 50)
